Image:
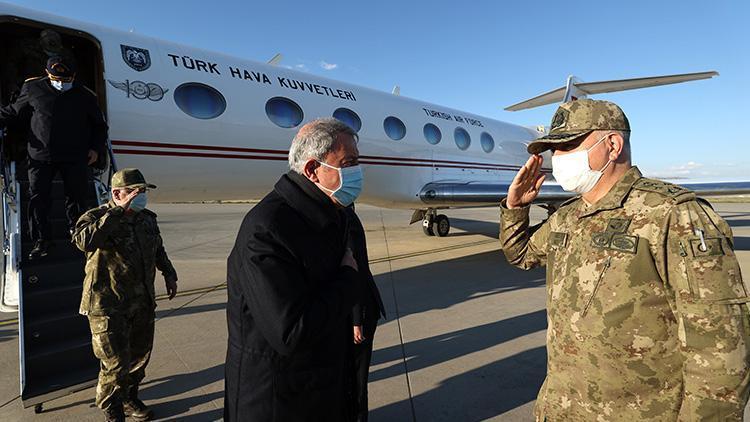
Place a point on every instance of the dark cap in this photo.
(130, 179)
(578, 118)
(61, 67)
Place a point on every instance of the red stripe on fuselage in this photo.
(364, 159)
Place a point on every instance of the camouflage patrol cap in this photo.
(578, 118)
(130, 179)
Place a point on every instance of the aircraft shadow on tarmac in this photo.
(471, 227)
(480, 393)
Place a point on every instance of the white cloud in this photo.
(300, 67)
(328, 66)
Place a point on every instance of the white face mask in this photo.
(573, 173)
(61, 86)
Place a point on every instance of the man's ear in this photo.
(616, 144)
(309, 170)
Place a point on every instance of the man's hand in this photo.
(124, 202)
(525, 186)
(349, 261)
(171, 283)
(93, 156)
(359, 337)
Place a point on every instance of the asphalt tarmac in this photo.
(463, 341)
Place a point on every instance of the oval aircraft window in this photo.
(463, 140)
(488, 144)
(199, 100)
(394, 128)
(349, 117)
(284, 112)
(432, 134)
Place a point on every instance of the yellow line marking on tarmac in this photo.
(222, 286)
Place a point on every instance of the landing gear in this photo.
(443, 225)
(435, 224)
(39, 408)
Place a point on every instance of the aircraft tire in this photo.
(443, 225)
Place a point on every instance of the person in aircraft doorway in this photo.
(67, 131)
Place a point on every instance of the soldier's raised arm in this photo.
(95, 226)
(522, 248)
(711, 308)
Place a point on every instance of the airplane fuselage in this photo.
(197, 123)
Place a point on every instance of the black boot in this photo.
(114, 413)
(135, 408)
(40, 250)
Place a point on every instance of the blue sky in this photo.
(482, 56)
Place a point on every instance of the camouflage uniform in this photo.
(123, 249)
(647, 311)
(644, 322)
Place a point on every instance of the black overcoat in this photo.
(288, 310)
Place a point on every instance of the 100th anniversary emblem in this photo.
(136, 58)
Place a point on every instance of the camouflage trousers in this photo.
(122, 342)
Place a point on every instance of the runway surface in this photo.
(464, 338)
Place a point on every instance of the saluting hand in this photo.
(525, 186)
(124, 201)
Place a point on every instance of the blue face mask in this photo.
(350, 184)
(138, 203)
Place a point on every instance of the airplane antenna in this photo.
(396, 90)
(276, 59)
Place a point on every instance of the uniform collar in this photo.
(615, 197)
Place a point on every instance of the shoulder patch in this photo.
(677, 193)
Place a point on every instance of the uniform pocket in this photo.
(714, 273)
(101, 337)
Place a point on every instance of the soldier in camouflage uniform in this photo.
(647, 310)
(123, 249)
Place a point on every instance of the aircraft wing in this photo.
(456, 194)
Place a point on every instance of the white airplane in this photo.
(206, 126)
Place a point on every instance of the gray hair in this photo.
(315, 140)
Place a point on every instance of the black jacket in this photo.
(64, 125)
(288, 309)
(369, 307)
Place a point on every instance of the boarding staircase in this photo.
(55, 351)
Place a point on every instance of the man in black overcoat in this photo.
(292, 282)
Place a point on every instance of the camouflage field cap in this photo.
(131, 179)
(578, 118)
